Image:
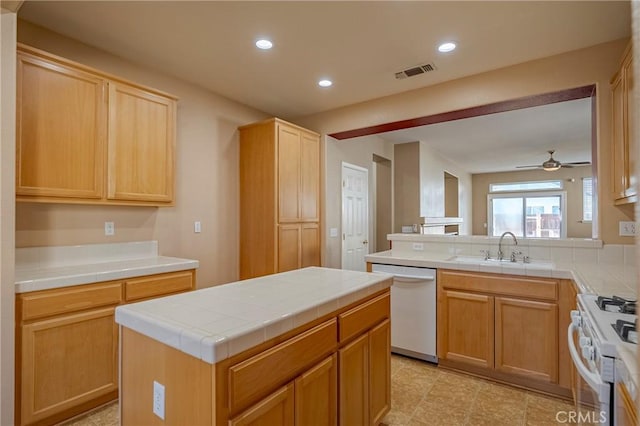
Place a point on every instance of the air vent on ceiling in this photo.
(420, 69)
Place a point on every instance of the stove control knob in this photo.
(576, 318)
(588, 353)
(585, 341)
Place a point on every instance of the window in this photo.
(549, 185)
(587, 199)
(529, 215)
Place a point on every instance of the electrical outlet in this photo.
(158, 399)
(627, 229)
(197, 227)
(418, 246)
(333, 232)
(109, 228)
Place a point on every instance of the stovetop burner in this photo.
(616, 304)
(626, 330)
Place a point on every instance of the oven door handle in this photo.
(593, 379)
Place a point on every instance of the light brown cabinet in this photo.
(84, 136)
(67, 345)
(279, 198)
(623, 136)
(504, 326)
(276, 409)
(466, 327)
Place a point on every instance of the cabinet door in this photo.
(380, 371)
(288, 174)
(310, 245)
(354, 382)
(141, 145)
(310, 177)
(527, 338)
(276, 409)
(317, 395)
(466, 328)
(67, 361)
(61, 130)
(288, 247)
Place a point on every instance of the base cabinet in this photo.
(67, 361)
(67, 344)
(354, 382)
(466, 328)
(527, 338)
(317, 395)
(502, 326)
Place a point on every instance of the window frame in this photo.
(584, 219)
(524, 195)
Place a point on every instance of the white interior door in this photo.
(355, 217)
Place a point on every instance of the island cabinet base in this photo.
(322, 373)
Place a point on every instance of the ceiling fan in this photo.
(552, 164)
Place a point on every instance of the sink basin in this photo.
(504, 262)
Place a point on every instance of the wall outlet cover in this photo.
(109, 228)
(158, 399)
(627, 228)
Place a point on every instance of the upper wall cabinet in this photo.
(623, 136)
(87, 137)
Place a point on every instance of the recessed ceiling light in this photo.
(264, 44)
(325, 83)
(446, 47)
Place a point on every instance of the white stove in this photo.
(594, 342)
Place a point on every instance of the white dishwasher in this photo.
(413, 310)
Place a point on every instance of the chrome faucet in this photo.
(500, 255)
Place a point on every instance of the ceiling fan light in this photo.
(551, 166)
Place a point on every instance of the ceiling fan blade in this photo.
(529, 167)
(578, 163)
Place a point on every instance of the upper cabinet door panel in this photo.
(310, 177)
(61, 131)
(141, 145)
(288, 174)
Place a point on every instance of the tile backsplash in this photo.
(60, 256)
(568, 250)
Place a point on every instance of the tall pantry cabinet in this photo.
(279, 198)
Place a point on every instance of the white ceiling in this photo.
(499, 142)
(359, 45)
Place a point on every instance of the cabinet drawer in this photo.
(363, 317)
(530, 287)
(156, 285)
(254, 378)
(70, 299)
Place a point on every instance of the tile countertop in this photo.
(36, 279)
(44, 268)
(600, 279)
(218, 322)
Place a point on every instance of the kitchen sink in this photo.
(505, 262)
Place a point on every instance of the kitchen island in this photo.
(299, 346)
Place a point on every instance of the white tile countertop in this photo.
(601, 279)
(43, 268)
(218, 322)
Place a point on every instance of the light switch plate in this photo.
(197, 227)
(109, 228)
(333, 232)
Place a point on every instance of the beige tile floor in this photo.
(422, 394)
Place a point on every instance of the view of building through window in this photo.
(527, 215)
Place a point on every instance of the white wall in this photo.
(357, 151)
(432, 168)
(7, 207)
